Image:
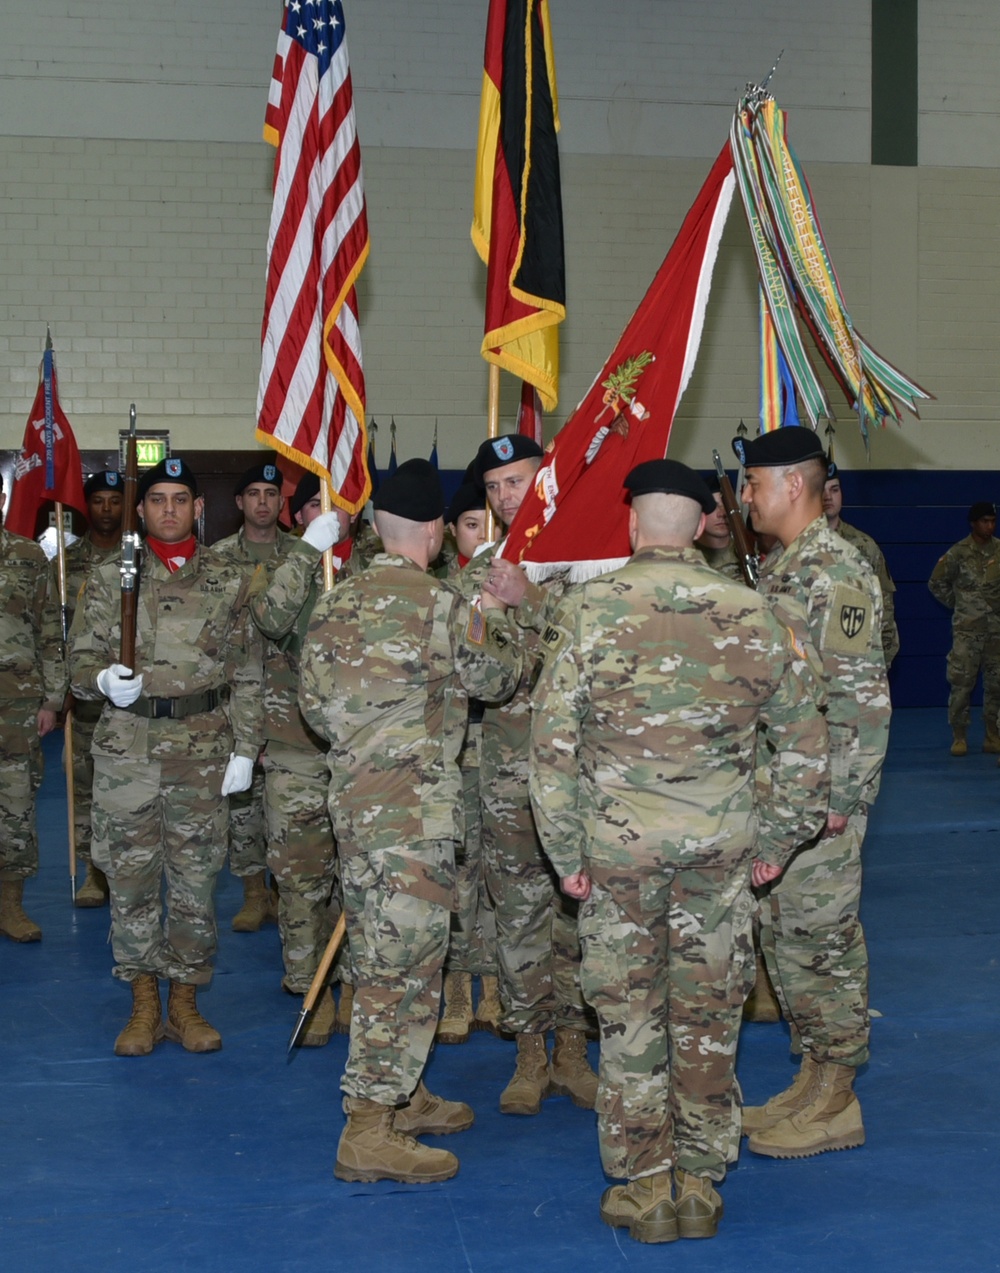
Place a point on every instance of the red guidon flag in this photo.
(517, 216)
(311, 397)
(48, 468)
(575, 520)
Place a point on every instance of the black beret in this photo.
(982, 508)
(307, 489)
(107, 480)
(413, 492)
(670, 477)
(264, 473)
(832, 472)
(791, 445)
(467, 499)
(712, 482)
(507, 449)
(172, 469)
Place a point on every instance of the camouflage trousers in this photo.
(85, 718)
(20, 777)
(247, 820)
(538, 946)
(302, 858)
(667, 962)
(157, 820)
(473, 945)
(970, 652)
(397, 902)
(814, 946)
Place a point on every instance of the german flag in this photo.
(517, 220)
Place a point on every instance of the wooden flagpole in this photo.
(68, 723)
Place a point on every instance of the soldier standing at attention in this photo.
(963, 580)
(390, 660)
(101, 543)
(173, 742)
(538, 947)
(32, 689)
(833, 502)
(715, 541)
(811, 933)
(643, 757)
(258, 497)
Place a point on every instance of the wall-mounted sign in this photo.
(151, 447)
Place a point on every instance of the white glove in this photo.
(238, 775)
(323, 532)
(113, 684)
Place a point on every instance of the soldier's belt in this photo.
(176, 708)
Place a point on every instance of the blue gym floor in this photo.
(224, 1162)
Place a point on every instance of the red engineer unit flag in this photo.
(311, 397)
(48, 468)
(575, 520)
(517, 223)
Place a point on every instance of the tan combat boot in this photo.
(456, 1023)
(94, 889)
(531, 1082)
(831, 1120)
(185, 1024)
(699, 1207)
(144, 1028)
(958, 745)
(430, 1115)
(321, 1022)
(371, 1149)
(13, 921)
(756, 1118)
(345, 1008)
(762, 1003)
(645, 1207)
(256, 908)
(571, 1072)
(489, 1012)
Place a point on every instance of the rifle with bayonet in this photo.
(746, 553)
(131, 544)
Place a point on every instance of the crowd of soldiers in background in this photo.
(479, 772)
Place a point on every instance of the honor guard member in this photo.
(715, 541)
(643, 759)
(32, 689)
(833, 502)
(391, 657)
(811, 932)
(538, 948)
(101, 543)
(258, 497)
(472, 950)
(965, 580)
(174, 741)
(300, 845)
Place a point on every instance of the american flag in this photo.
(311, 397)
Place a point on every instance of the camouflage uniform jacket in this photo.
(193, 634)
(724, 561)
(82, 557)
(966, 579)
(826, 593)
(390, 660)
(644, 724)
(871, 552)
(32, 666)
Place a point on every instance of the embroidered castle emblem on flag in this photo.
(173, 468)
(503, 448)
(852, 620)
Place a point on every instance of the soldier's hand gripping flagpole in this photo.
(320, 979)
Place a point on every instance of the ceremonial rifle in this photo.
(745, 553)
(131, 544)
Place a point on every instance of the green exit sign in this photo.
(150, 447)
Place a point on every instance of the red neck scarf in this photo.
(173, 556)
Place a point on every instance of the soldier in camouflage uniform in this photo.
(300, 844)
(391, 657)
(643, 756)
(833, 502)
(32, 688)
(811, 930)
(715, 542)
(538, 946)
(100, 544)
(258, 497)
(173, 742)
(966, 580)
